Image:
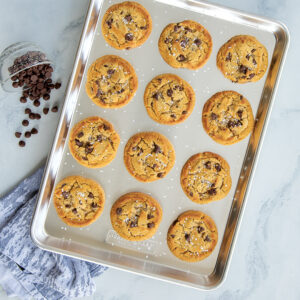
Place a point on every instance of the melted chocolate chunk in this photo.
(248, 56)
(251, 76)
(80, 134)
(200, 229)
(181, 58)
(208, 165)
(65, 194)
(133, 224)
(109, 22)
(183, 43)
(212, 192)
(198, 42)
(160, 175)
(155, 96)
(91, 195)
(243, 69)
(213, 116)
(177, 27)
(94, 205)
(170, 92)
(78, 143)
(207, 239)
(74, 211)
(157, 149)
(119, 211)
(228, 57)
(240, 113)
(129, 37)
(128, 18)
(151, 225)
(191, 194)
(149, 216)
(187, 237)
(218, 167)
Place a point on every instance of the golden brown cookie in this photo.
(185, 44)
(78, 201)
(205, 177)
(126, 25)
(243, 59)
(149, 156)
(111, 81)
(93, 142)
(227, 117)
(169, 99)
(136, 216)
(192, 236)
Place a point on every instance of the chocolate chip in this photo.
(207, 239)
(110, 71)
(31, 116)
(109, 22)
(25, 122)
(18, 134)
(34, 131)
(119, 211)
(248, 56)
(74, 211)
(170, 92)
(155, 96)
(200, 229)
(198, 42)
(160, 175)
(27, 134)
(78, 143)
(151, 225)
(45, 110)
(129, 37)
(94, 205)
(251, 76)
(183, 43)
(243, 69)
(91, 195)
(36, 103)
(212, 192)
(128, 18)
(191, 194)
(80, 134)
(54, 109)
(157, 149)
(240, 113)
(208, 165)
(228, 57)
(22, 144)
(177, 27)
(65, 194)
(187, 237)
(149, 216)
(218, 167)
(23, 100)
(181, 58)
(133, 224)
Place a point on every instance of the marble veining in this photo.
(266, 260)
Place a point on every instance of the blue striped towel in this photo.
(26, 270)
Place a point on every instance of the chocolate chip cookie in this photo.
(169, 99)
(94, 142)
(126, 25)
(149, 156)
(136, 216)
(192, 236)
(243, 59)
(185, 44)
(111, 81)
(205, 177)
(78, 201)
(227, 117)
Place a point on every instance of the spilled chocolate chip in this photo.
(27, 134)
(181, 58)
(129, 37)
(212, 192)
(22, 144)
(65, 194)
(218, 167)
(45, 110)
(34, 131)
(170, 92)
(151, 225)
(18, 134)
(187, 237)
(200, 229)
(25, 122)
(91, 195)
(208, 165)
(78, 143)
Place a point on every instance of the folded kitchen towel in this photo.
(27, 271)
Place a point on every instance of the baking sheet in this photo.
(187, 138)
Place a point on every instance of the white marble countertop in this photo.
(266, 261)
